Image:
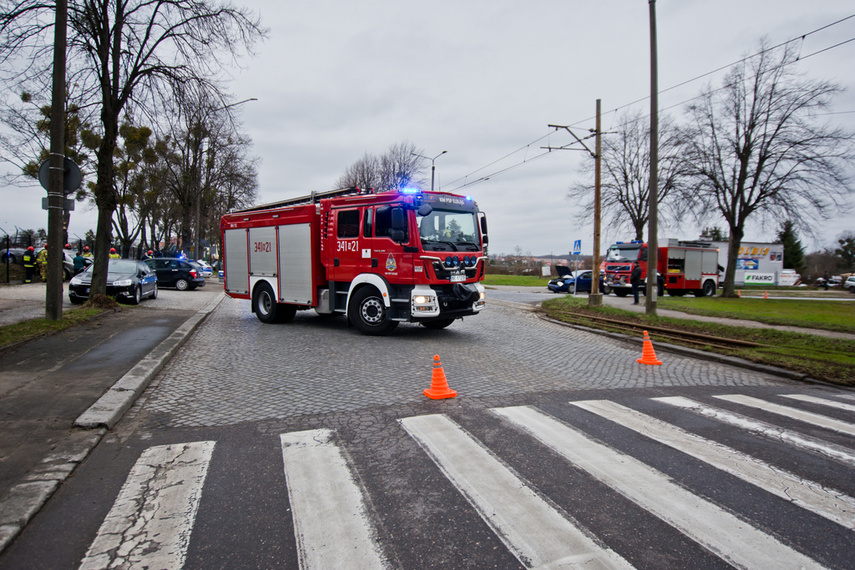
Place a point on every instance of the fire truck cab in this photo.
(379, 258)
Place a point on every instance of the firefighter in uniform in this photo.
(29, 259)
(113, 254)
(41, 261)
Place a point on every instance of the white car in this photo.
(849, 284)
(206, 269)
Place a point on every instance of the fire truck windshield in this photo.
(444, 230)
(623, 253)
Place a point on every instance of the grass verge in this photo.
(515, 280)
(35, 328)
(828, 359)
(827, 315)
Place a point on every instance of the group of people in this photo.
(33, 261)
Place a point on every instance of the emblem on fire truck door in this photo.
(391, 264)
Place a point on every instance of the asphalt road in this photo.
(268, 446)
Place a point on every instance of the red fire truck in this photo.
(379, 258)
(683, 267)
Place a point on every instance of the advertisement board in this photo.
(754, 278)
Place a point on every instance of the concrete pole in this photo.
(652, 238)
(56, 195)
(596, 298)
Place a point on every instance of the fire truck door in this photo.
(347, 246)
(390, 254)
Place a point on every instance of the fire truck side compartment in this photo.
(237, 261)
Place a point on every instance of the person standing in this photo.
(41, 261)
(113, 254)
(635, 280)
(79, 263)
(29, 259)
(825, 278)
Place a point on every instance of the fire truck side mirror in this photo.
(484, 237)
(398, 230)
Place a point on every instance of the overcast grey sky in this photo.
(482, 80)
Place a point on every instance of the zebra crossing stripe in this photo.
(829, 503)
(795, 413)
(722, 533)
(151, 520)
(330, 519)
(808, 443)
(820, 401)
(536, 533)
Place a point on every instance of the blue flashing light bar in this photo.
(410, 191)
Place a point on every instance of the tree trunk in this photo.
(105, 199)
(736, 235)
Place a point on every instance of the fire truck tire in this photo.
(267, 309)
(605, 289)
(437, 323)
(621, 292)
(708, 289)
(368, 313)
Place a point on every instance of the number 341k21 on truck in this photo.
(379, 258)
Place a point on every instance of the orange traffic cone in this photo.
(648, 355)
(439, 385)
(739, 293)
(765, 294)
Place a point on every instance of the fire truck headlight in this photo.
(422, 300)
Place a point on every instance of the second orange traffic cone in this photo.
(765, 294)
(648, 355)
(439, 385)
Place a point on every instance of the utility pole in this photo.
(56, 196)
(653, 194)
(595, 298)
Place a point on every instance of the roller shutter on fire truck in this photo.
(237, 263)
(295, 262)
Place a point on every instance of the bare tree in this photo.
(626, 175)
(757, 149)
(123, 51)
(398, 168)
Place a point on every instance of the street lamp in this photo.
(432, 166)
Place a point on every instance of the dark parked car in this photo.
(572, 281)
(16, 255)
(127, 279)
(179, 273)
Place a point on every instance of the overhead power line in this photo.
(465, 179)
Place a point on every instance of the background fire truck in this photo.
(378, 258)
(683, 267)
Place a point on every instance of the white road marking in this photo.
(808, 443)
(832, 504)
(821, 401)
(331, 523)
(722, 533)
(537, 534)
(794, 413)
(151, 520)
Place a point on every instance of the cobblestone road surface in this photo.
(237, 369)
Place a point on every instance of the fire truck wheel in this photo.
(368, 313)
(268, 310)
(709, 289)
(605, 289)
(621, 292)
(437, 323)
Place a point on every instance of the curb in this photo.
(25, 499)
(110, 408)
